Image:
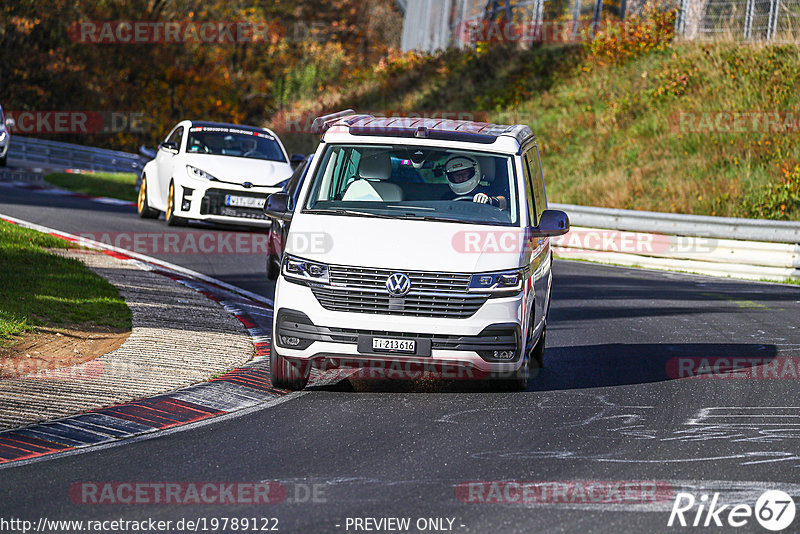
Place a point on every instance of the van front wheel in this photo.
(287, 373)
(531, 365)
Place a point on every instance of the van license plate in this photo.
(394, 345)
(245, 202)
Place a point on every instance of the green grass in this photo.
(121, 185)
(607, 125)
(39, 288)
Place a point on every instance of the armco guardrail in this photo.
(743, 248)
(679, 224)
(70, 156)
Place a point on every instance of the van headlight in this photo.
(509, 282)
(300, 270)
(194, 172)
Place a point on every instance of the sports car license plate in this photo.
(244, 202)
(394, 345)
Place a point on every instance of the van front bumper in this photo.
(307, 331)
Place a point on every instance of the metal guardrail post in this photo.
(576, 19)
(680, 19)
(748, 19)
(772, 25)
(597, 16)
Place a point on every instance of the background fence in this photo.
(431, 25)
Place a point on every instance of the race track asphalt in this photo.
(606, 409)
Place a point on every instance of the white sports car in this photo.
(5, 137)
(214, 172)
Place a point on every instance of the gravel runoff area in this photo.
(179, 337)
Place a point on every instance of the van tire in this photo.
(287, 373)
(531, 364)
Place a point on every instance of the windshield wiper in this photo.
(437, 219)
(353, 213)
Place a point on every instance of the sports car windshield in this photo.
(415, 182)
(220, 141)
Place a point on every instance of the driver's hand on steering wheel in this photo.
(481, 198)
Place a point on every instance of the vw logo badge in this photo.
(398, 284)
(247, 185)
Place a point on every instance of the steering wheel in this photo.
(467, 197)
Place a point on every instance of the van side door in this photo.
(545, 253)
(539, 262)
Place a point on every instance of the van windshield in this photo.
(415, 182)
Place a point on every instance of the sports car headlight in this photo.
(2, 135)
(497, 282)
(194, 172)
(296, 269)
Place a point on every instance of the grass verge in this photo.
(636, 121)
(121, 185)
(40, 288)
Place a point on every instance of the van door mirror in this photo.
(279, 206)
(552, 223)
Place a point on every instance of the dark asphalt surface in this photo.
(604, 408)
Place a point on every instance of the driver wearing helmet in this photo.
(248, 146)
(464, 176)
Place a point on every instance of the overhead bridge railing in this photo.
(71, 156)
(742, 248)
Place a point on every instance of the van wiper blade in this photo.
(353, 213)
(433, 218)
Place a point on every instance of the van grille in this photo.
(433, 294)
(363, 278)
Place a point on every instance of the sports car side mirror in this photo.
(169, 146)
(10, 123)
(296, 159)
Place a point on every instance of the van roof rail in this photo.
(322, 123)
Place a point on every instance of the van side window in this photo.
(529, 190)
(541, 178)
(535, 173)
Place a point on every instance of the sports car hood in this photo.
(239, 170)
(405, 244)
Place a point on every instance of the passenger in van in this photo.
(464, 176)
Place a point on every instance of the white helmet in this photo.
(463, 174)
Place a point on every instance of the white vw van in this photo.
(416, 242)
